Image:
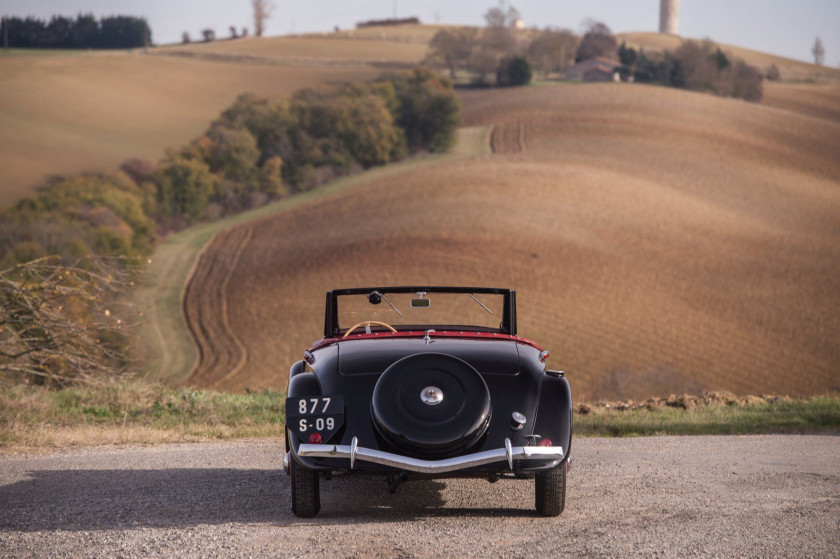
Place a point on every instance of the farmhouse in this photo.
(597, 69)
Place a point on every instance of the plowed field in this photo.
(659, 241)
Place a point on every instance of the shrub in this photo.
(271, 177)
(513, 71)
(231, 153)
(184, 187)
(139, 170)
(746, 82)
(428, 111)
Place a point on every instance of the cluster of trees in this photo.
(77, 216)
(83, 32)
(501, 50)
(55, 295)
(259, 149)
(698, 66)
(390, 21)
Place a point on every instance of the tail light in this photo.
(315, 438)
(543, 442)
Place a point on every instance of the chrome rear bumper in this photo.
(355, 452)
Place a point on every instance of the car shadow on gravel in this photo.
(78, 500)
(120, 499)
(356, 499)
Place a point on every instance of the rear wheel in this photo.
(550, 491)
(306, 495)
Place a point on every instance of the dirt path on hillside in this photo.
(221, 354)
(757, 496)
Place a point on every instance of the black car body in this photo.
(419, 394)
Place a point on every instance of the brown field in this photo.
(660, 241)
(369, 46)
(63, 114)
(67, 112)
(818, 100)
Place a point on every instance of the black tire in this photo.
(550, 491)
(306, 494)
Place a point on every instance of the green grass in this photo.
(164, 343)
(815, 415)
(134, 411)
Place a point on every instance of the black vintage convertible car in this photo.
(426, 382)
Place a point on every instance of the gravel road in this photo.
(756, 496)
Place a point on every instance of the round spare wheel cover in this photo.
(436, 425)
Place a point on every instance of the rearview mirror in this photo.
(420, 303)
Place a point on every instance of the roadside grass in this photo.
(135, 411)
(820, 414)
(132, 411)
(164, 342)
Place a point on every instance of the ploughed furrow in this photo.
(221, 353)
(659, 241)
(508, 137)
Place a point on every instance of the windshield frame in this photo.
(508, 324)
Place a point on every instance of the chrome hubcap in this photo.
(431, 395)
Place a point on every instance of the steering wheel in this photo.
(368, 323)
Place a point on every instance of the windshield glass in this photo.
(422, 310)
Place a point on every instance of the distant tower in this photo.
(669, 16)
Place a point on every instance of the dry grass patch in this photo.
(733, 416)
(117, 412)
(132, 411)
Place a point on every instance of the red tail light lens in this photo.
(543, 442)
(315, 438)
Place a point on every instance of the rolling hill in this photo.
(73, 112)
(659, 240)
(66, 112)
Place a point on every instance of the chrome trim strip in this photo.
(355, 452)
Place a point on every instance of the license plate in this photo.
(315, 414)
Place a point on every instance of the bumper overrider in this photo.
(355, 452)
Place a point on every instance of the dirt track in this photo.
(221, 353)
(763, 496)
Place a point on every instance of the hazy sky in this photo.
(784, 27)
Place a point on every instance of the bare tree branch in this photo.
(58, 322)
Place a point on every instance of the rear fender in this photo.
(554, 413)
(298, 368)
(301, 383)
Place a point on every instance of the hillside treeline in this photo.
(485, 54)
(695, 65)
(508, 54)
(259, 149)
(82, 32)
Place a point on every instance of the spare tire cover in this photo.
(456, 421)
